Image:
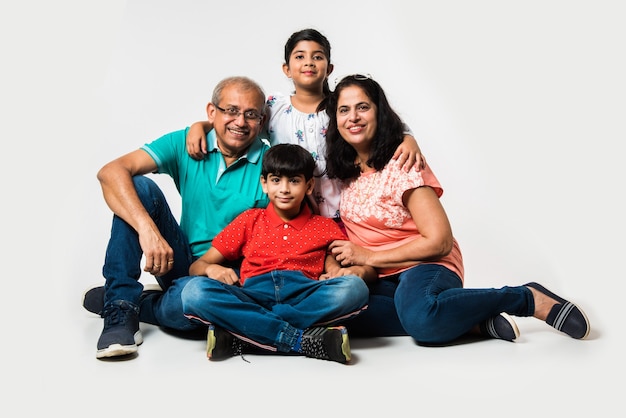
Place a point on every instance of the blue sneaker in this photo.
(93, 298)
(121, 334)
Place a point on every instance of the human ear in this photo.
(309, 186)
(286, 70)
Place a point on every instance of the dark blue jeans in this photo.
(429, 303)
(122, 265)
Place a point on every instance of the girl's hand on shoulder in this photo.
(196, 141)
(408, 154)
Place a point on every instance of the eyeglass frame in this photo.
(235, 113)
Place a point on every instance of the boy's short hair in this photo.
(288, 160)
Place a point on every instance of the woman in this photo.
(396, 224)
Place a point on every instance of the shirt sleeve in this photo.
(230, 241)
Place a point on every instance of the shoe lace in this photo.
(116, 314)
(237, 348)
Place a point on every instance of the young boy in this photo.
(287, 283)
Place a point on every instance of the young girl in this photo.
(301, 119)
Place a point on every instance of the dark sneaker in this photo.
(222, 344)
(326, 343)
(121, 334)
(93, 298)
(501, 327)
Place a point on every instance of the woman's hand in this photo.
(349, 254)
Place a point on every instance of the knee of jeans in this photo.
(419, 324)
(354, 291)
(192, 293)
(361, 291)
(147, 189)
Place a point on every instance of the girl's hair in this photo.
(288, 160)
(389, 133)
(309, 35)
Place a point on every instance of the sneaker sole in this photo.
(336, 344)
(213, 352)
(117, 350)
(345, 346)
(513, 326)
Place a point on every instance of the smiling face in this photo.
(356, 118)
(308, 65)
(235, 133)
(287, 193)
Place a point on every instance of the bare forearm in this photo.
(409, 254)
(121, 197)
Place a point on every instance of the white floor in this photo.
(544, 373)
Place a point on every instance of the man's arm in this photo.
(116, 180)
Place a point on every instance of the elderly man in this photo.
(213, 190)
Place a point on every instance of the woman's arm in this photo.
(434, 241)
(334, 269)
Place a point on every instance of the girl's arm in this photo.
(408, 153)
(196, 139)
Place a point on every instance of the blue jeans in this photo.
(380, 319)
(271, 309)
(122, 265)
(433, 307)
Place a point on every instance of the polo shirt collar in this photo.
(298, 222)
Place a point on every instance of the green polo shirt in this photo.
(212, 194)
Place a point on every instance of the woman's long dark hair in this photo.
(389, 133)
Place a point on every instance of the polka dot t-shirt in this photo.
(268, 243)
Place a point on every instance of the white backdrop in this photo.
(518, 106)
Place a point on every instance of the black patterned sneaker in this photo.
(501, 326)
(121, 334)
(221, 344)
(93, 298)
(326, 343)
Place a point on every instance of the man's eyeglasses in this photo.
(251, 116)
